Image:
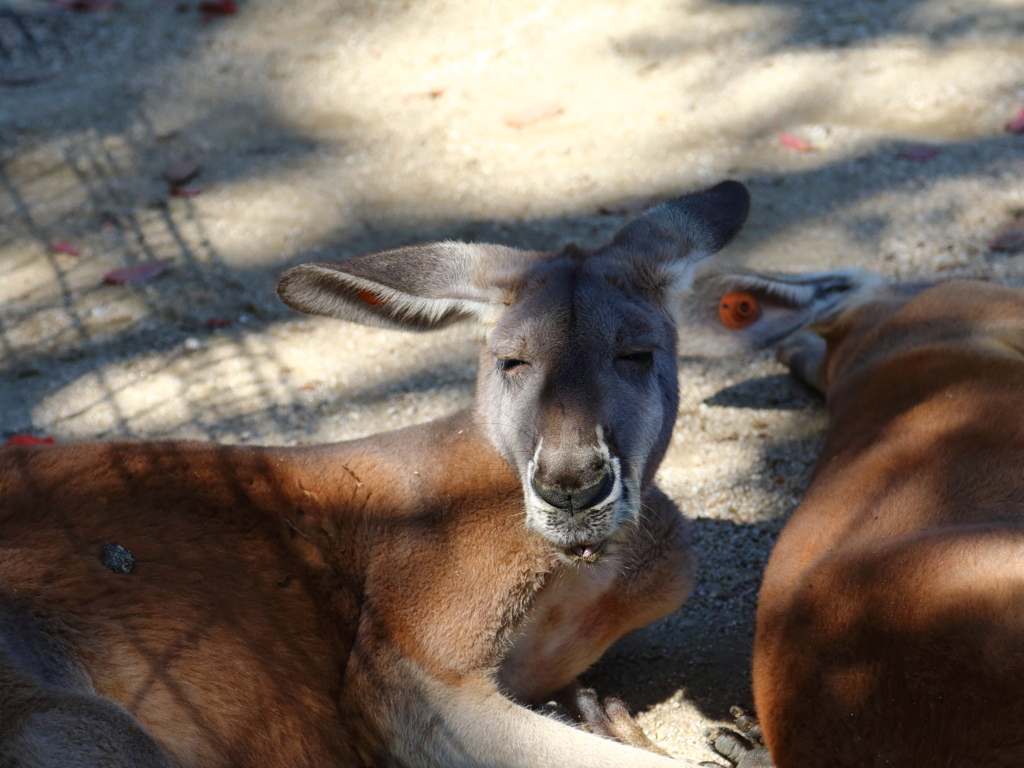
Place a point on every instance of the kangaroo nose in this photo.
(574, 500)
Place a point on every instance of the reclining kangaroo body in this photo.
(890, 622)
(393, 600)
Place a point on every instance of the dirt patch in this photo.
(324, 129)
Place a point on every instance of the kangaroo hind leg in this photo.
(49, 715)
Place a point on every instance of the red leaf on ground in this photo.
(182, 171)
(137, 273)
(794, 142)
(220, 8)
(29, 440)
(63, 246)
(527, 117)
(214, 323)
(1017, 124)
(1010, 238)
(186, 191)
(920, 153)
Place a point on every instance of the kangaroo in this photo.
(391, 601)
(890, 622)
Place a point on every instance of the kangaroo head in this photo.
(578, 384)
(732, 312)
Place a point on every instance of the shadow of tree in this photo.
(825, 24)
(834, 23)
(779, 392)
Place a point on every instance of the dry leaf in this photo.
(1010, 238)
(137, 273)
(211, 10)
(1017, 124)
(182, 171)
(85, 5)
(527, 117)
(919, 153)
(63, 246)
(433, 93)
(186, 191)
(29, 440)
(626, 207)
(794, 142)
(25, 78)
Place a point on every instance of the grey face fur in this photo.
(577, 387)
(578, 391)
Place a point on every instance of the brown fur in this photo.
(278, 608)
(890, 625)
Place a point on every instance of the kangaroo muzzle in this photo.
(576, 498)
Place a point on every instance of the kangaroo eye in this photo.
(509, 364)
(641, 357)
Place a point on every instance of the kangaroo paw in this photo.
(742, 746)
(613, 721)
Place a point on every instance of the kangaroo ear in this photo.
(736, 313)
(668, 241)
(417, 288)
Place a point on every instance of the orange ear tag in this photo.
(738, 310)
(370, 298)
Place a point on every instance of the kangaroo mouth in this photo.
(586, 553)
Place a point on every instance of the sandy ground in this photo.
(328, 128)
